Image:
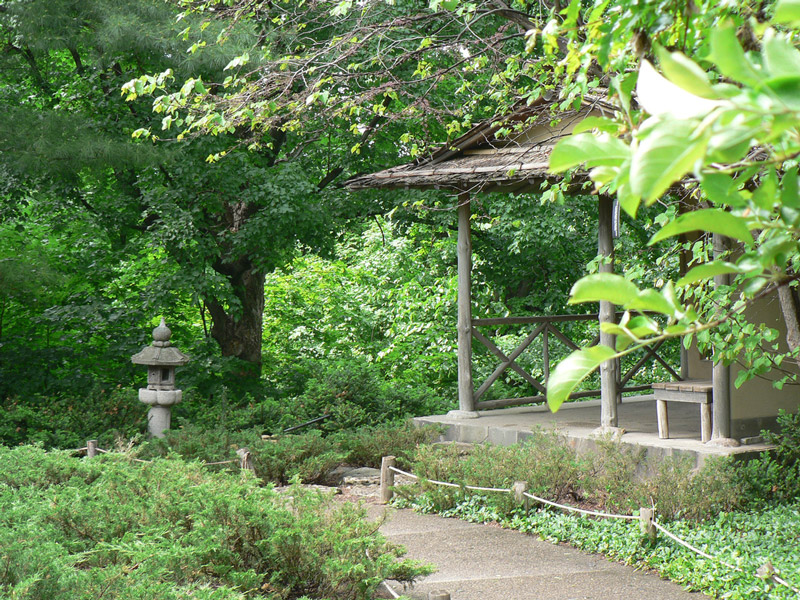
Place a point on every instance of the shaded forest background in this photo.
(293, 297)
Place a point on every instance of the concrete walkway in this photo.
(485, 562)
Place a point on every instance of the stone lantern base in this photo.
(159, 416)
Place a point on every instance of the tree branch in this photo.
(26, 53)
(370, 129)
(79, 69)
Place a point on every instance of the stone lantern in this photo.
(161, 358)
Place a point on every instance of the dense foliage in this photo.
(111, 528)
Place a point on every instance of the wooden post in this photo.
(245, 462)
(439, 595)
(721, 422)
(91, 448)
(646, 518)
(387, 478)
(546, 352)
(663, 419)
(609, 370)
(518, 489)
(466, 390)
(684, 362)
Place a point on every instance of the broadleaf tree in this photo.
(68, 150)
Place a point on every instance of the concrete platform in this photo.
(578, 422)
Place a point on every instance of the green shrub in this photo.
(615, 470)
(75, 529)
(67, 421)
(308, 456)
(366, 446)
(775, 475)
(544, 461)
(355, 393)
(614, 477)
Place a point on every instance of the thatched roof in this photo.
(482, 159)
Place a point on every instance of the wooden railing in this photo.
(546, 327)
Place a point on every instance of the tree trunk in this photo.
(241, 337)
(791, 315)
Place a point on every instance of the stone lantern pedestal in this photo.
(161, 358)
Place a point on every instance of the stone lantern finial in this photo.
(162, 333)
(161, 358)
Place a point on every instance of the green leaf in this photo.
(623, 85)
(685, 73)
(594, 150)
(727, 54)
(714, 220)
(780, 57)
(661, 97)
(732, 136)
(600, 123)
(787, 11)
(754, 285)
(707, 271)
(572, 370)
(603, 286)
(669, 151)
(721, 189)
(642, 325)
(572, 13)
(767, 193)
(786, 88)
(790, 197)
(652, 300)
(628, 200)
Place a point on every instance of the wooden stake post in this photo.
(387, 478)
(518, 489)
(646, 518)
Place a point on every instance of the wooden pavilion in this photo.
(511, 155)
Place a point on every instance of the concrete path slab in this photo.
(485, 562)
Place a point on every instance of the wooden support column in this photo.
(609, 370)
(683, 268)
(721, 377)
(466, 390)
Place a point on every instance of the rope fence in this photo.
(646, 518)
(245, 461)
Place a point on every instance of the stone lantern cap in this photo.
(161, 353)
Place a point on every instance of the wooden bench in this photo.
(691, 390)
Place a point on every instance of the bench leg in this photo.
(705, 422)
(663, 423)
